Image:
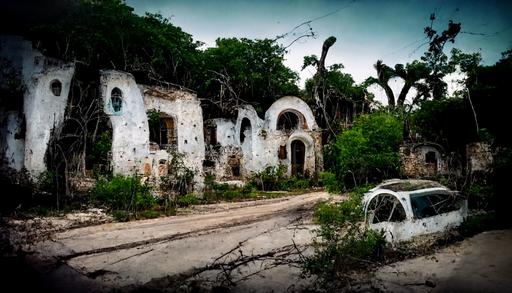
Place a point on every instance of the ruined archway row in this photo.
(150, 125)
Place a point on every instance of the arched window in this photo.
(245, 129)
(289, 120)
(116, 100)
(56, 87)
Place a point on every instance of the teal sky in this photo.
(366, 30)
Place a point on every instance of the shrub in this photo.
(123, 193)
(368, 152)
(270, 178)
(329, 181)
(187, 200)
(342, 242)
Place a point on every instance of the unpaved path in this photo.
(243, 246)
(482, 263)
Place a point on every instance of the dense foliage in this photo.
(368, 152)
(239, 71)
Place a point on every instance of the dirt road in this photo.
(245, 246)
(482, 263)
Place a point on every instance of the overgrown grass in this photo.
(342, 241)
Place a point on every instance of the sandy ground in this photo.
(246, 247)
(482, 263)
(249, 247)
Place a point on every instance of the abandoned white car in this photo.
(407, 208)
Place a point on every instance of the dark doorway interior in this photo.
(298, 153)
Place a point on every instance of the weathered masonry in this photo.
(150, 125)
(40, 86)
(288, 135)
(140, 149)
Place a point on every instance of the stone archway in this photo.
(298, 157)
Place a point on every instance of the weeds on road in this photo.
(342, 241)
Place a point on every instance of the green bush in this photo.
(329, 181)
(342, 242)
(123, 193)
(187, 200)
(270, 178)
(368, 152)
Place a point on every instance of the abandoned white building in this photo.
(27, 120)
(288, 136)
(234, 150)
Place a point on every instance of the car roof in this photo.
(398, 185)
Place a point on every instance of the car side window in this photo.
(386, 208)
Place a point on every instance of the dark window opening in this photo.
(298, 150)
(386, 208)
(56, 87)
(211, 134)
(429, 205)
(234, 163)
(116, 99)
(288, 121)
(430, 158)
(164, 132)
(282, 152)
(245, 129)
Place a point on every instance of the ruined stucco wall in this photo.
(185, 109)
(12, 143)
(257, 142)
(42, 108)
(414, 164)
(130, 130)
(225, 131)
(479, 157)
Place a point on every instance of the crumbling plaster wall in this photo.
(12, 144)
(413, 161)
(42, 109)
(130, 129)
(186, 111)
(261, 141)
(479, 156)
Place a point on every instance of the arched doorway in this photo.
(298, 155)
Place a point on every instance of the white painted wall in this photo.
(186, 110)
(12, 147)
(42, 109)
(260, 147)
(130, 130)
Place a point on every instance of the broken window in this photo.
(430, 158)
(56, 87)
(116, 100)
(282, 152)
(385, 208)
(428, 205)
(164, 132)
(289, 120)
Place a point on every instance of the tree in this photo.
(426, 76)
(239, 71)
(435, 58)
(368, 151)
(334, 95)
